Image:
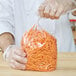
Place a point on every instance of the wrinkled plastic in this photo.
(41, 49)
(9, 52)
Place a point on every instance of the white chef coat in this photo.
(18, 16)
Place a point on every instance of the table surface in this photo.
(66, 66)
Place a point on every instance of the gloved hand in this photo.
(54, 8)
(15, 57)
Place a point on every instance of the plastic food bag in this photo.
(41, 49)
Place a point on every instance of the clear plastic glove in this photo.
(54, 8)
(15, 57)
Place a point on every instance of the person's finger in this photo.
(52, 13)
(17, 65)
(46, 11)
(20, 52)
(41, 10)
(19, 59)
(59, 12)
(54, 8)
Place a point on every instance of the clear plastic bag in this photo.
(41, 49)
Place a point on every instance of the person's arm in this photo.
(12, 53)
(6, 39)
(6, 23)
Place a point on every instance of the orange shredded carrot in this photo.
(41, 49)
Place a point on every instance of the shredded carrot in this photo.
(41, 49)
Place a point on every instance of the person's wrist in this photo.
(74, 2)
(6, 39)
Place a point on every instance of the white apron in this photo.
(26, 15)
